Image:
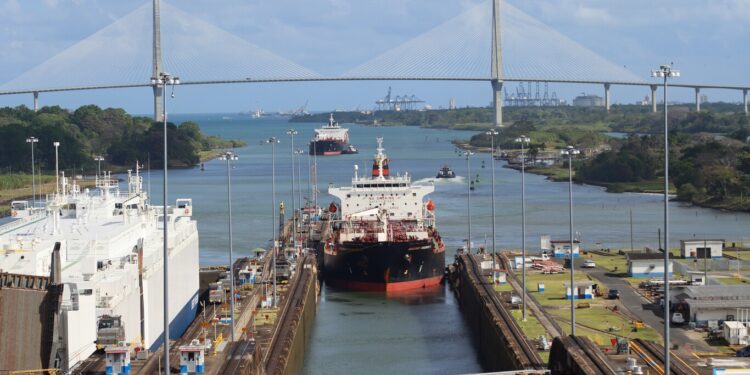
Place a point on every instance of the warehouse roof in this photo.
(646, 256)
(701, 240)
(718, 303)
(716, 292)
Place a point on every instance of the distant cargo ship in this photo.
(384, 237)
(331, 139)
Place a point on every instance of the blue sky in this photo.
(706, 39)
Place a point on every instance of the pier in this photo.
(268, 340)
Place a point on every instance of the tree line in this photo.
(91, 131)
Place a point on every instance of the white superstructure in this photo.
(112, 264)
(332, 132)
(384, 205)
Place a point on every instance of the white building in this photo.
(561, 248)
(712, 302)
(647, 264)
(582, 290)
(701, 248)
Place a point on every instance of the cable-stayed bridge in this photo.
(492, 42)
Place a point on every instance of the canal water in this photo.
(423, 332)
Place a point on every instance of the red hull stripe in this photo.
(326, 153)
(386, 287)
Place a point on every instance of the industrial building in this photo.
(647, 264)
(701, 248)
(705, 303)
(588, 101)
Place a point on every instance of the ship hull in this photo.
(385, 266)
(327, 147)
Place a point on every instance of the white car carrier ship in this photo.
(111, 260)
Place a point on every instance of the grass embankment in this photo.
(531, 327)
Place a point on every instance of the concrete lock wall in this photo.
(304, 328)
(493, 352)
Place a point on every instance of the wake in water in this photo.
(440, 181)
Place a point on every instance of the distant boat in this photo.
(331, 139)
(445, 172)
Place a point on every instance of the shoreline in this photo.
(609, 189)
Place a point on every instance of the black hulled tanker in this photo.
(384, 235)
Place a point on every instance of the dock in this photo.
(268, 340)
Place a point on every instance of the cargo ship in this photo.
(108, 244)
(382, 234)
(331, 139)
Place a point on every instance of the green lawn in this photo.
(554, 292)
(598, 318)
(612, 263)
(729, 280)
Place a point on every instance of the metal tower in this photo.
(157, 65)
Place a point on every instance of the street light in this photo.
(162, 81)
(666, 71)
(524, 141)
(57, 169)
(32, 140)
(99, 159)
(467, 154)
(492, 133)
(273, 141)
(229, 157)
(299, 153)
(570, 151)
(292, 133)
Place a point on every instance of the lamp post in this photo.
(523, 140)
(99, 160)
(273, 141)
(32, 140)
(666, 71)
(292, 133)
(162, 81)
(467, 154)
(492, 133)
(57, 168)
(230, 157)
(570, 151)
(298, 152)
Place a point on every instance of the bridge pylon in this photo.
(497, 64)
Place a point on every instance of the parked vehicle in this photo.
(588, 263)
(677, 318)
(613, 294)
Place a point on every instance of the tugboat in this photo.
(382, 234)
(331, 139)
(350, 150)
(445, 172)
